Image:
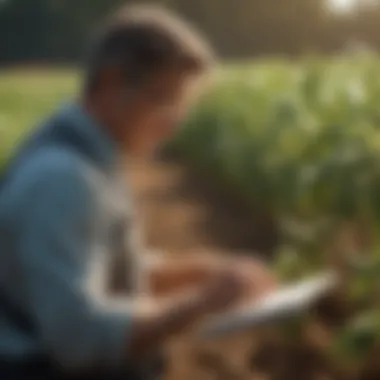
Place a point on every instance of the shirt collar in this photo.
(102, 144)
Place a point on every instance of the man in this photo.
(66, 217)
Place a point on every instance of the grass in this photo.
(26, 97)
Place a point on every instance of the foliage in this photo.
(302, 141)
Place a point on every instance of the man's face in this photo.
(153, 113)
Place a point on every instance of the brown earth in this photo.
(183, 212)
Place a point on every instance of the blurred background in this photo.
(281, 158)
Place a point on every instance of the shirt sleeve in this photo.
(57, 244)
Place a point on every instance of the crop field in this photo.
(300, 144)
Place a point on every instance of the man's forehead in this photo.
(172, 78)
(173, 86)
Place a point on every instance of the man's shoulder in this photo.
(50, 162)
(47, 169)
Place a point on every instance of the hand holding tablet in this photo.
(286, 302)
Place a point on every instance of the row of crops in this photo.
(301, 141)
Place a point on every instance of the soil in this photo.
(183, 212)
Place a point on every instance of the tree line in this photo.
(56, 30)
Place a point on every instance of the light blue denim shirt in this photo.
(59, 207)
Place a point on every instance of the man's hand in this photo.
(169, 276)
(228, 284)
(260, 280)
(242, 279)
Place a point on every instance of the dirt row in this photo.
(182, 212)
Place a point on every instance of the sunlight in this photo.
(342, 4)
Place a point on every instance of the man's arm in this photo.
(169, 275)
(53, 220)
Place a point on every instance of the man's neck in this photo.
(96, 109)
(99, 109)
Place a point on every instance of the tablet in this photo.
(291, 300)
